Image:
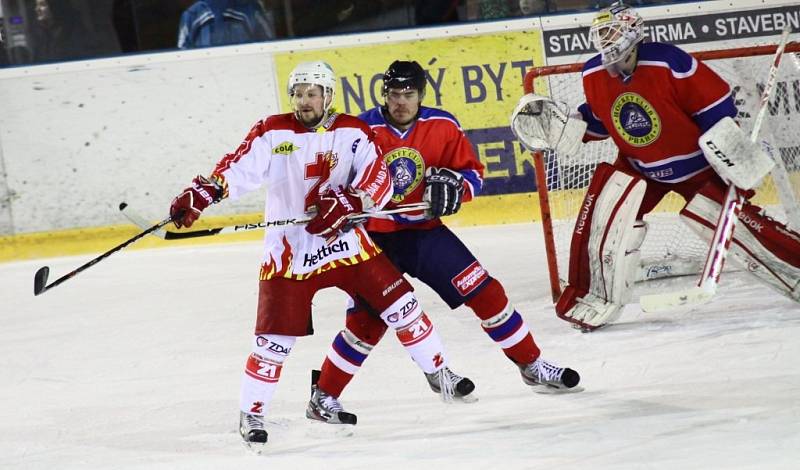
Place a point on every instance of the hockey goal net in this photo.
(670, 248)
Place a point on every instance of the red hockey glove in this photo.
(443, 190)
(334, 206)
(188, 205)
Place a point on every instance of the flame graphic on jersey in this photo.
(270, 269)
(366, 249)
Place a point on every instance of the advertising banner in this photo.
(476, 78)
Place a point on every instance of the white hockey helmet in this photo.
(615, 32)
(314, 73)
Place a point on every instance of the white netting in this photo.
(668, 239)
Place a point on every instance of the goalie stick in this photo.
(141, 222)
(723, 234)
(40, 285)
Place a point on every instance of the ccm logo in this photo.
(719, 154)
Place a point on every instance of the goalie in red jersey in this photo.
(656, 102)
(431, 159)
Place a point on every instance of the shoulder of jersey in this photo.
(666, 55)
(285, 121)
(344, 121)
(373, 117)
(437, 115)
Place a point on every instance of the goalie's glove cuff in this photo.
(444, 189)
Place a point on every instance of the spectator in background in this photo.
(432, 12)
(58, 32)
(123, 17)
(220, 22)
(531, 7)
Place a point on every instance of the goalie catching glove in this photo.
(187, 206)
(334, 209)
(443, 191)
(542, 124)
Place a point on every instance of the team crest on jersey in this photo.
(285, 148)
(635, 120)
(332, 159)
(408, 169)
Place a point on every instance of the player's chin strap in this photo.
(543, 124)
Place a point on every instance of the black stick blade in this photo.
(40, 280)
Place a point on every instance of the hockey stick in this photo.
(141, 222)
(40, 285)
(723, 234)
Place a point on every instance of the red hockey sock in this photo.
(503, 324)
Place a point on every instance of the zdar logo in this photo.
(635, 120)
(285, 148)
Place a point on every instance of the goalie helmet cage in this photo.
(670, 248)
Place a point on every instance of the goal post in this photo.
(670, 248)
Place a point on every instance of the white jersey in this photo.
(297, 165)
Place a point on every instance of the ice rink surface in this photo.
(136, 362)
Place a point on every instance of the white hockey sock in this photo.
(416, 333)
(262, 372)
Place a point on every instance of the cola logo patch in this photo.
(635, 120)
(407, 168)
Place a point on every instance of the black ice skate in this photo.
(251, 428)
(324, 407)
(548, 378)
(454, 385)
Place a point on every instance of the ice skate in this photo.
(454, 385)
(324, 407)
(251, 428)
(549, 378)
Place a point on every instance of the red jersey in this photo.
(656, 115)
(434, 140)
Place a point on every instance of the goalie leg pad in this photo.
(760, 245)
(600, 276)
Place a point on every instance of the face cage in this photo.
(614, 40)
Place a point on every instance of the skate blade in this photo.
(544, 390)
(471, 398)
(256, 448)
(322, 429)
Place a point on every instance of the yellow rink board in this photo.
(485, 210)
(488, 210)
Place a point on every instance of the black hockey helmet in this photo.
(403, 74)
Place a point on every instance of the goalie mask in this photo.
(615, 32)
(315, 73)
(403, 75)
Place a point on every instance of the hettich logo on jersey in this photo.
(323, 252)
(635, 120)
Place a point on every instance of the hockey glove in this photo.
(334, 207)
(443, 191)
(188, 205)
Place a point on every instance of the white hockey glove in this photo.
(542, 124)
(734, 157)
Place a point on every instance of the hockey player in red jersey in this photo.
(655, 102)
(312, 161)
(431, 160)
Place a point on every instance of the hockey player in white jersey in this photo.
(317, 162)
